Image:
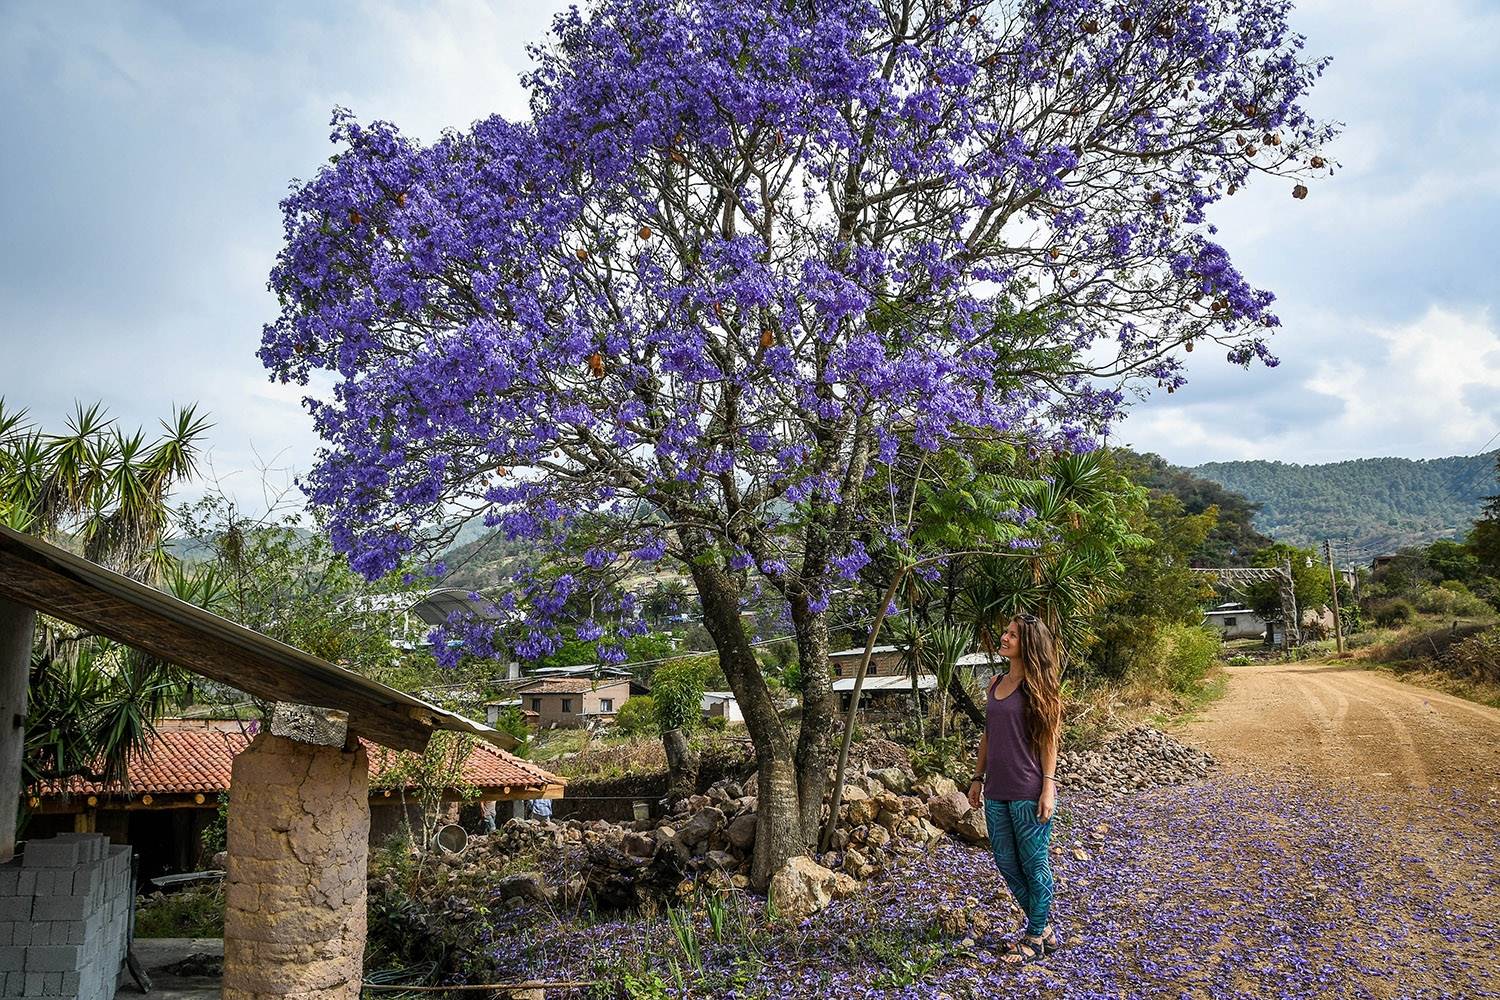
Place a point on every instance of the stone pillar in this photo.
(17, 630)
(299, 830)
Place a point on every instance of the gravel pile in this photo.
(1136, 759)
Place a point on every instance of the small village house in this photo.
(721, 705)
(1235, 621)
(572, 701)
(884, 661)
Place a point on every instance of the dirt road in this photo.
(1338, 724)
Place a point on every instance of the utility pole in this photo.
(1333, 579)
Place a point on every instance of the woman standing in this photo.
(1016, 776)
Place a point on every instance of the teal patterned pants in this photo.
(1021, 847)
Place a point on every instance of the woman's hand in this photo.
(976, 789)
(1047, 804)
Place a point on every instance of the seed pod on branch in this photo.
(1299, 192)
(596, 364)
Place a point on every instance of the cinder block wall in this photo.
(64, 918)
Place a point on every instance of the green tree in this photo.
(1309, 576)
(677, 694)
(91, 703)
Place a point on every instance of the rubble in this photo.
(886, 812)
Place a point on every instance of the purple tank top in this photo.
(1011, 769)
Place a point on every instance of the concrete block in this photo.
(60, 908)
(10, 878)
(52, 984)
(15, 908)
(12, 959)
(52, 958)
(20, 934)
(46, 881)
(88, 880)
(70, 983)
(50, 854)
(91, 846)
(75, 933)
(6, 929)
(26, 884)
(33, 985)
(9, 989)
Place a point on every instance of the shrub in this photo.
(1451, 598)
(1189, 656)
(1390, 614)
(637, 717)
(189, 913)
(717, 723)
(1477, 657)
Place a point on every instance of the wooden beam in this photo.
(57, 583)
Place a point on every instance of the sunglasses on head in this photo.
(1028, 619)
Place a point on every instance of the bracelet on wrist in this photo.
(978, 777)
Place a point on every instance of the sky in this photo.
(148, 146)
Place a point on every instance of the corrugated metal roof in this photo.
(925, 682)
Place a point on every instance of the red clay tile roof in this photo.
(184, 761)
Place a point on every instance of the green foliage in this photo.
(1187, 656)
(576, 652)
(286, 582)
(1231, 536)
(1392, 612)
(1450, 599)
(1157, 589)
(194, 912)
(677, 690)
(637, 717)
(430, 774)
(1380, 503)
(1309, 576)
(215, 836)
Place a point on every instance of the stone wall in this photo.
(64, 918)
(294, 920)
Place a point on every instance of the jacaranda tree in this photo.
(741, 251)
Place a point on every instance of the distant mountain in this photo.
(1377, 504)
(1234, 538)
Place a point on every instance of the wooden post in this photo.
(1333, 580)
(17, 631)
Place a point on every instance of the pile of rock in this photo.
(1132, 761)
(886, 812)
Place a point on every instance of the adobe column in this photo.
(299, 830)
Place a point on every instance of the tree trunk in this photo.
(815, 739)
(682, 764)
(17, 633)
(963, 701)
(778, 830)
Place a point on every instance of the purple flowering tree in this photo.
(742, 252)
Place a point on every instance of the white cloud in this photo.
(1423, 389)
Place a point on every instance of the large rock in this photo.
(854, 793)
(862, 812)
(527, 885)
(638, 845)
(700, 825)
(949, 809)
(971, 827)
(894, 779)
(741, 832)
(937, 785)
(803, 887)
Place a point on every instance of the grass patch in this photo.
(194, 912)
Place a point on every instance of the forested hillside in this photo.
(1378, 504)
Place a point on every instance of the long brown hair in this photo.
(1041, 667)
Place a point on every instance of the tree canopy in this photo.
(740, 253)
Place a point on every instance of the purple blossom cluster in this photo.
(742, 249)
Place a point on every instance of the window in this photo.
(874, 669)
(567, 705)
(536, 704)
(606, 704)
(838, 671)
(1229, 622)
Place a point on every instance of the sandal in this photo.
(1024, 951)
(1051, 942)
